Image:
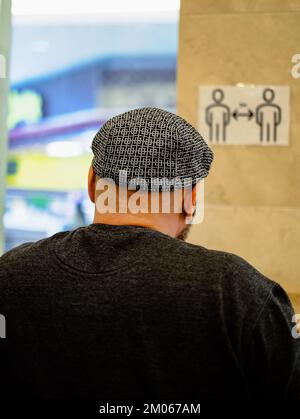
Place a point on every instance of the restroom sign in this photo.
(244, 114)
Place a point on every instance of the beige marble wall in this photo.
(252, 193)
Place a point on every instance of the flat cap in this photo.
(151, 148)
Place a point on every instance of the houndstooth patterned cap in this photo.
(151, 148)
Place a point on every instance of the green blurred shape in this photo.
(24, 107)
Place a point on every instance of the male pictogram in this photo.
(268, 117)
(217, 117)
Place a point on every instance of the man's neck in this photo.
(164, 223)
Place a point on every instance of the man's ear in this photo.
(195, 193)
(92, 184)
(190, 200)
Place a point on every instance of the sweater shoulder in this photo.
(27, 255)
(229, 269)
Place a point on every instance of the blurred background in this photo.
(72, 66)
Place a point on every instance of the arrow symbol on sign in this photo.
(249, 114)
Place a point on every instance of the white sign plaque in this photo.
(244, 114)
